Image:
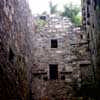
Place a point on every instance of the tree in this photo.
(73, 13)
(53, 8)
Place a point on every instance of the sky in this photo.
(39, 6)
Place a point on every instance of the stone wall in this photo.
(16, 30)
(25, 57)
(91, 28)
(71, 56)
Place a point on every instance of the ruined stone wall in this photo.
(16, 29)
(70, 54)
(91, 28)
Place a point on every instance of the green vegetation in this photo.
(77, 20)
(73, 12)
(41, 23)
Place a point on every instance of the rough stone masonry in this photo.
(16, 29)
(46, 61)
(91, 27)
(61, 58)
(90, 11)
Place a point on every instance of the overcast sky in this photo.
(39, 6)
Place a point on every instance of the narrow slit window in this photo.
(11, 55)
(81, 36)
(54, 43)
(53, 71)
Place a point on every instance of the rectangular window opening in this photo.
(63, 77)
(54, 43)
(53, 71)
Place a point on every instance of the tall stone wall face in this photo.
(97, 38)
(91, 12)
(16, 30)
(91, 23)
(69, 55)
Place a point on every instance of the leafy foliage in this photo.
(41, 23)
(73, 13)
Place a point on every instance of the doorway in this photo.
(53, 71)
